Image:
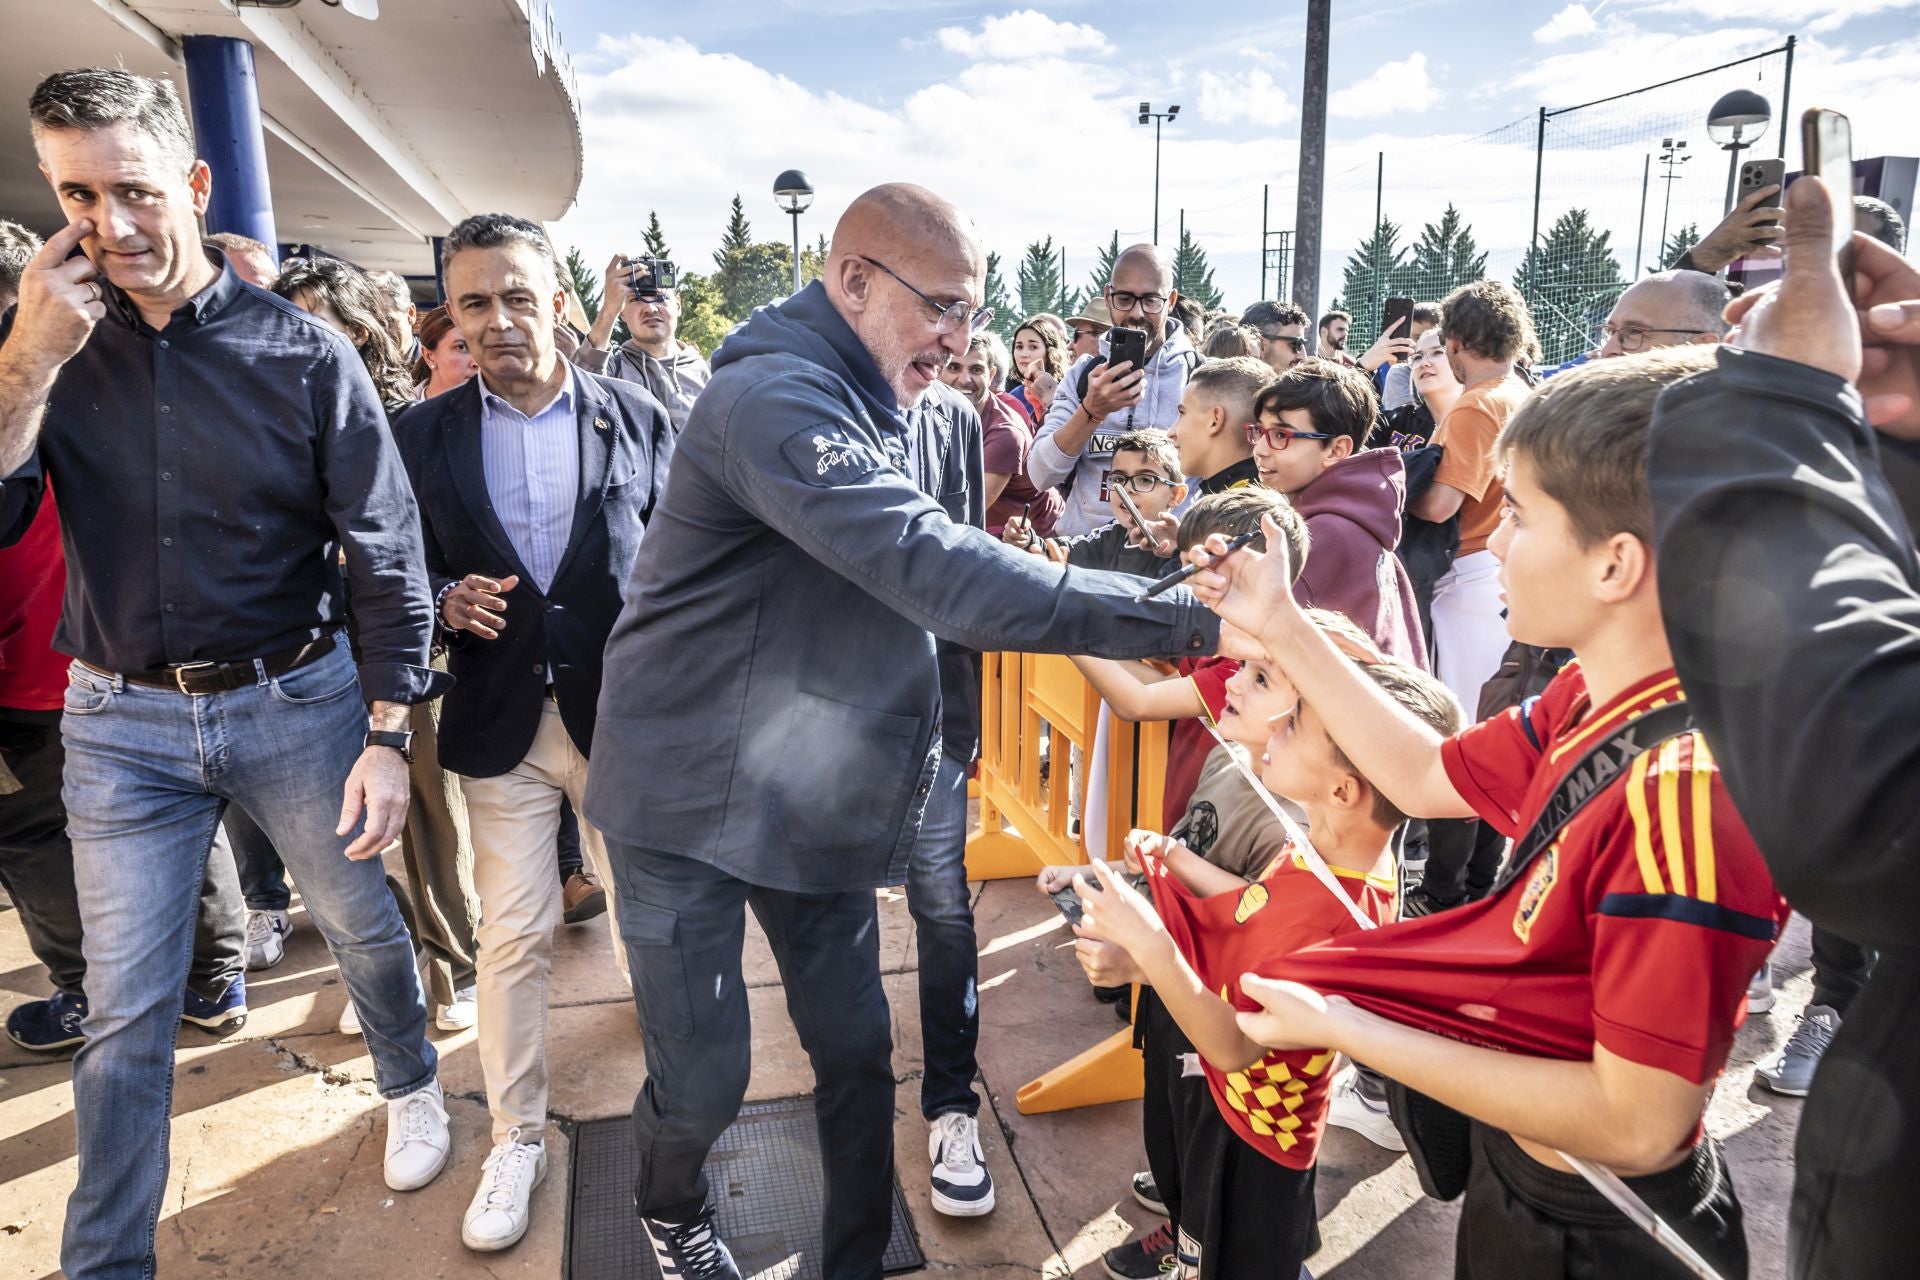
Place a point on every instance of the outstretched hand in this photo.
(1247, 587)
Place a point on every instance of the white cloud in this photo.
(1251, 96)
(1574, 20)
(1817, 16)
(1023, 34)
(1394, 89)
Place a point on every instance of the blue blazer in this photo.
(488, 721)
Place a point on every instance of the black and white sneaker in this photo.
(1147, 1192)
(961, 1185)
(690, 1250)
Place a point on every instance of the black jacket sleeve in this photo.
(1791, 596)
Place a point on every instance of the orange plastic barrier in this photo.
(1024, 822)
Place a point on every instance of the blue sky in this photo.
(1024, 114)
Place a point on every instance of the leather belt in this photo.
(201, 678)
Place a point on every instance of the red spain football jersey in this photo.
(1637, 929)
(1190, 743)
(1279, 1104)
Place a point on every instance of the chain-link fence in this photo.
(1569, 205)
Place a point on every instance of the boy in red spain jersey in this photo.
(1588, 1005)
(1244, 1166)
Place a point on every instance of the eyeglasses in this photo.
(1151, 303)
(1298, 344)
(1426, 353)
(1142, 483)
(1278, 438)
(1633, 337)
(949, 315)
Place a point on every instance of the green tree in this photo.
(656, 239)
(702, 322)
(1103, 269)
(1041, 288)
(1375, 271)
(586, 285)
(752, 277)
(1005, 318)
(813, 260)
(737, 238)
(1570, 282)
(1681, 241)
(1192, 277)
(1444, 258)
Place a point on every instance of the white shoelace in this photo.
(956, 1144)
(413, 1116)
(259, 929)
(508, 1165)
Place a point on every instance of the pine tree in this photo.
(1683, 239)
(1375, 271)
(752, 277)
(1005, 318)
(656, 239)
(1570, 282)
(738, 237)
(1103, 269)
(813, 260)
(1041, 288)
(586, 285)
(1444, 258)
(1192, 277)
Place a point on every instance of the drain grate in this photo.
(765, 1170)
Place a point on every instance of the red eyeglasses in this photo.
(1278, 438)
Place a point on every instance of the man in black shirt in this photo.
(215, 451)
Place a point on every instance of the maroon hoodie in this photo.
(1353, 525)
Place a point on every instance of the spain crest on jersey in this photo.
(1545, 874)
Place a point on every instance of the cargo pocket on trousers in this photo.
(659, 970)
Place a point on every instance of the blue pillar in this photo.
(225, 100)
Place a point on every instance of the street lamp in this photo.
(1159, 118)
(1736, 122)
(793, 193)
(1672, 156)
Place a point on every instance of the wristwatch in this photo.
(399, 740)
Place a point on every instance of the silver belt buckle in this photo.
(180, 675)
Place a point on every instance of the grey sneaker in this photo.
(1791, 1070)
(1760, 990)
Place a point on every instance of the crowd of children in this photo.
(1549, 1047)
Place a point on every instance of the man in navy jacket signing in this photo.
(769, 725)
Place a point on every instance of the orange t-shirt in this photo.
(1468, 433)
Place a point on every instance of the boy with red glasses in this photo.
(1307, 434)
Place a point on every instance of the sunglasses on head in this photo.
(1278, 438)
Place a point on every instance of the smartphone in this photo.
(1068, 902)
(1826, 147)
(1126, 346)
(1400, 309)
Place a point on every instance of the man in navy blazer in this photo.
(535, 482)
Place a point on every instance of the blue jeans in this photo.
(263, 878)
(149, 772)
(942, 911)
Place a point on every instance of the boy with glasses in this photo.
(1307, 434)
(1146, 468)
(1099, 401)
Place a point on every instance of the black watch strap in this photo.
(399, 740)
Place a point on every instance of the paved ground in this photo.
(278, 1134)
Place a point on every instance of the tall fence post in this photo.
(1786, 99)
(1313, 158)
(1379, 191)
(1263, 242)
(1533, 240)
(1640, 231)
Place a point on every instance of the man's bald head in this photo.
(1667, 310)
(1144, 268)
(902, 255)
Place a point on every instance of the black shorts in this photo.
(1523, 1221)
(1254, 1218)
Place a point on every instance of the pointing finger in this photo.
(63, 242)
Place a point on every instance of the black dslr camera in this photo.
(647, 277)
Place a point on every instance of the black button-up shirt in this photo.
(209, 475)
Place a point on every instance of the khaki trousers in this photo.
(514, 819)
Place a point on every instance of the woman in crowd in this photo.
(340, 294)
(1039, 362)
(444, 363)
(1435, 390)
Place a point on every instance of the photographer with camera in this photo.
(673, 371)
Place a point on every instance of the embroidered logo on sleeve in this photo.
(825, 456)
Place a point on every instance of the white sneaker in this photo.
(961, 1185)
(349, 1019)
(497, 1215)
(267, 938)
(462, 1014)
(417, 1138)
(1760, 990)
(1351, 1109)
